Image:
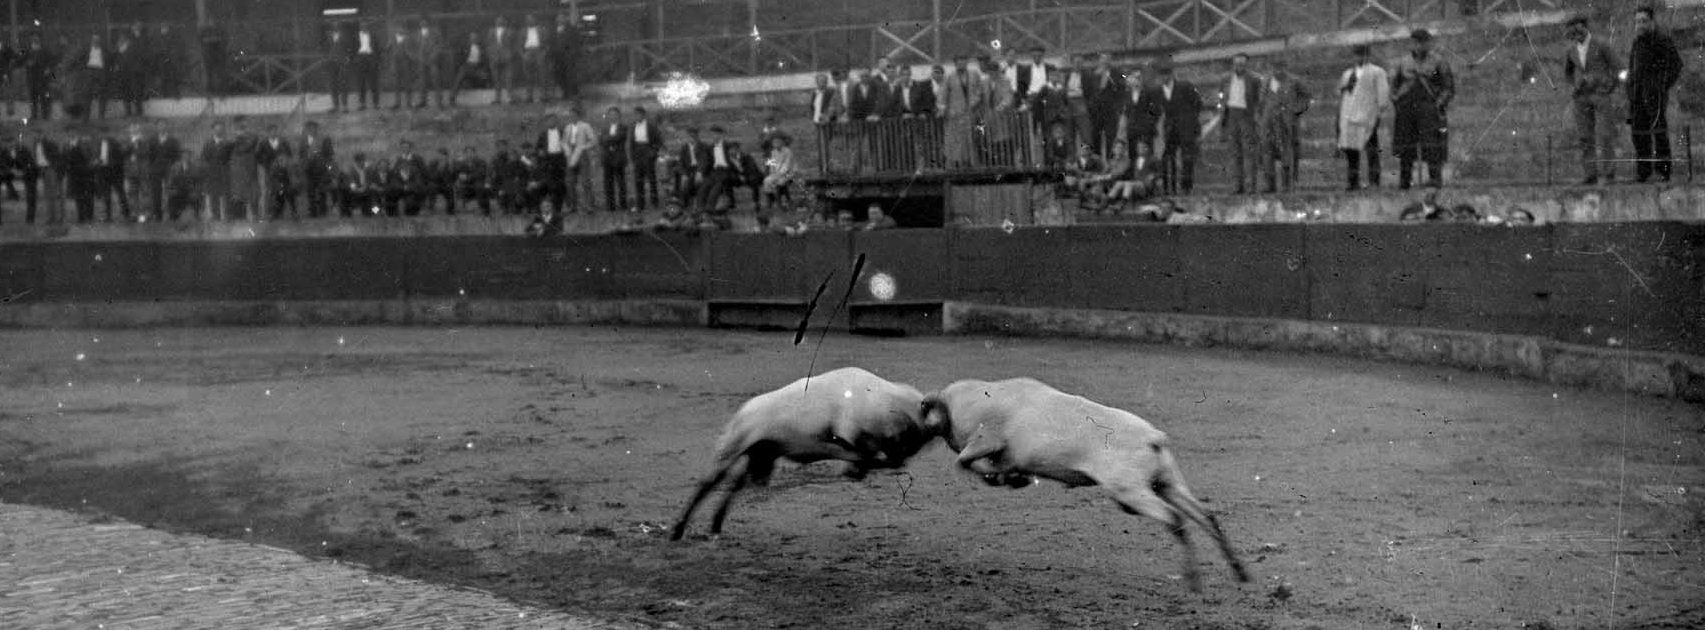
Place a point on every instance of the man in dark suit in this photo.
(1139, 119)
(718, 170)
(109, 160)
(273, 158)
(1654, 67)
(314, 152)
(472, 181)
(338, 57)
(1592, 70)
(39, 65)
(503, 49)
(825, 104)
(565, 56)
(647, 145)
(613, 141)
(365, 48)
(23, 156)
(163, 152)
(432, 61)
(80, 176)
(1103, 95)
(1181, 105)
(691, 167)
(129, 71)
(362, 187)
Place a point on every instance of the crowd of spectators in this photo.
(243, 173)
(1121, 137)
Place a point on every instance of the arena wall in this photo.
(1609, 292)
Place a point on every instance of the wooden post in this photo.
(658, 34)
(1131, 24)
(15, 24)
(752, 23)
(201, 13)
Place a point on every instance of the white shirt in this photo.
(553, 140)
(642, 132)
(366, 43)
(615, 128)
(1166, 88)
(1581, 51)
(819, 105)
(474, 53)
(720, 154)
(532, 38)
(96, 58)
(1234, 96)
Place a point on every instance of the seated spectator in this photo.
(1519, 216)
(1464, 213)
(362, 188)
(1183, 215)
(1087, 165)
(844, 220)
(183, 188)
(746, 174)
(780, 172)
(472, 181)
(674, 219)
(1097, 188)
(876, 219)
(1427, 209)
(547, 222)
(1139, 183)
(508, 179)
(1057, 151)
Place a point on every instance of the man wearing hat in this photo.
(1364, 91)
(1422, 87)
(1282, 106)
(1654, 67)
(1181, 129)
(1591, 70)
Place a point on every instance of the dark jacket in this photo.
(1182, 111)
(613, 144)
(1654, 66)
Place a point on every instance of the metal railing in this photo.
(999, 141)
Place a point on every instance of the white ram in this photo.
(1016, 430)
(847, 414)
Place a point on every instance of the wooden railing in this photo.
(1000, 141)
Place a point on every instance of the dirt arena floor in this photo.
(544, 465)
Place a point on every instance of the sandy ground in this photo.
(543, 464)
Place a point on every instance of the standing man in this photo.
(565, 56)
(472, 63)
(553, 159)
(1242, 99)
(582, 141)
(1103, 94)
(1283, 103)
(720, 170)
(366, 62)
(127, 74)
(615, 145)
(338, 53)
(1364, 92)
(691, 168)
(966, 104)
(216, 172)
(96, 66)
(108, 166)
(318, 161)
(404, 60)
(1593, 70)
(503, 51)
(825, 106)
(39, 64)
(430, 70)
(1181, 129)
(1139, 123)
(1422, 88)
(534, 49)
(36, 158)
(273, 159)
(79, 173)
(1653, 69)
(163, 152)
(647, 145)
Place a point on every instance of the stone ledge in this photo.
(410, 312)
(1649, 373)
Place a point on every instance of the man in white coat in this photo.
(1366, 91)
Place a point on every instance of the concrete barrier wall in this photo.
(1622, 286)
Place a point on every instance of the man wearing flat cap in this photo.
(1422, 86)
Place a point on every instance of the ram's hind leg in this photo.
(1143, 501)
(705, 488)
(755, 468)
